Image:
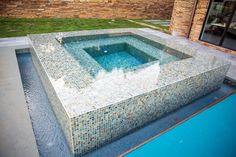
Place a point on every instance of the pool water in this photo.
(119, 56)
(48, 134)
(119, 60)
(210, 133)
(108, 52)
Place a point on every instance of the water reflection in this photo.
(106, 88)
(49, 136)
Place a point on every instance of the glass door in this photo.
(220, 24)
(229, 40)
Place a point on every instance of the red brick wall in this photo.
(160, 9)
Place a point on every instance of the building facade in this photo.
(154, 9)
(210, 22)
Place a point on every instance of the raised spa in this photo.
(104, 84)
(118, 51)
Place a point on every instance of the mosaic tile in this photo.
(93, 111)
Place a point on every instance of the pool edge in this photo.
(179, 123)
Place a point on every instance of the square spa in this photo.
(103, 84)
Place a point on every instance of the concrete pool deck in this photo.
(25, 145)
(16, 133)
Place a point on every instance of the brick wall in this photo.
(181, 17)
(160, 9)
(198, 19)
(197, 26)
(180, 21)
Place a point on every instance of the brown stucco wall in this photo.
(180, 21)
(159, 9)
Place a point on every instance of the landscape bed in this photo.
(97, 98)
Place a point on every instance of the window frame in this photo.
(223, 36)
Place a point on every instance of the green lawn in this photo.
(11, 27)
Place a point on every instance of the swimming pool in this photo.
(210, 132)
(96, 104)
(50, 138)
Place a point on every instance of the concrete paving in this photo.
(144, 24)
(14, 42)
(16, 134)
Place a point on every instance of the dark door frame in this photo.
(225, 30)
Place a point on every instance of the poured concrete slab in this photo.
(160, 22)
(16, 133)
(13, 42)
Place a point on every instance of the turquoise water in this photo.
(122, 51)
(118, 56)
(209, 134)
(118, 60)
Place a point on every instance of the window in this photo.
(220, 24)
